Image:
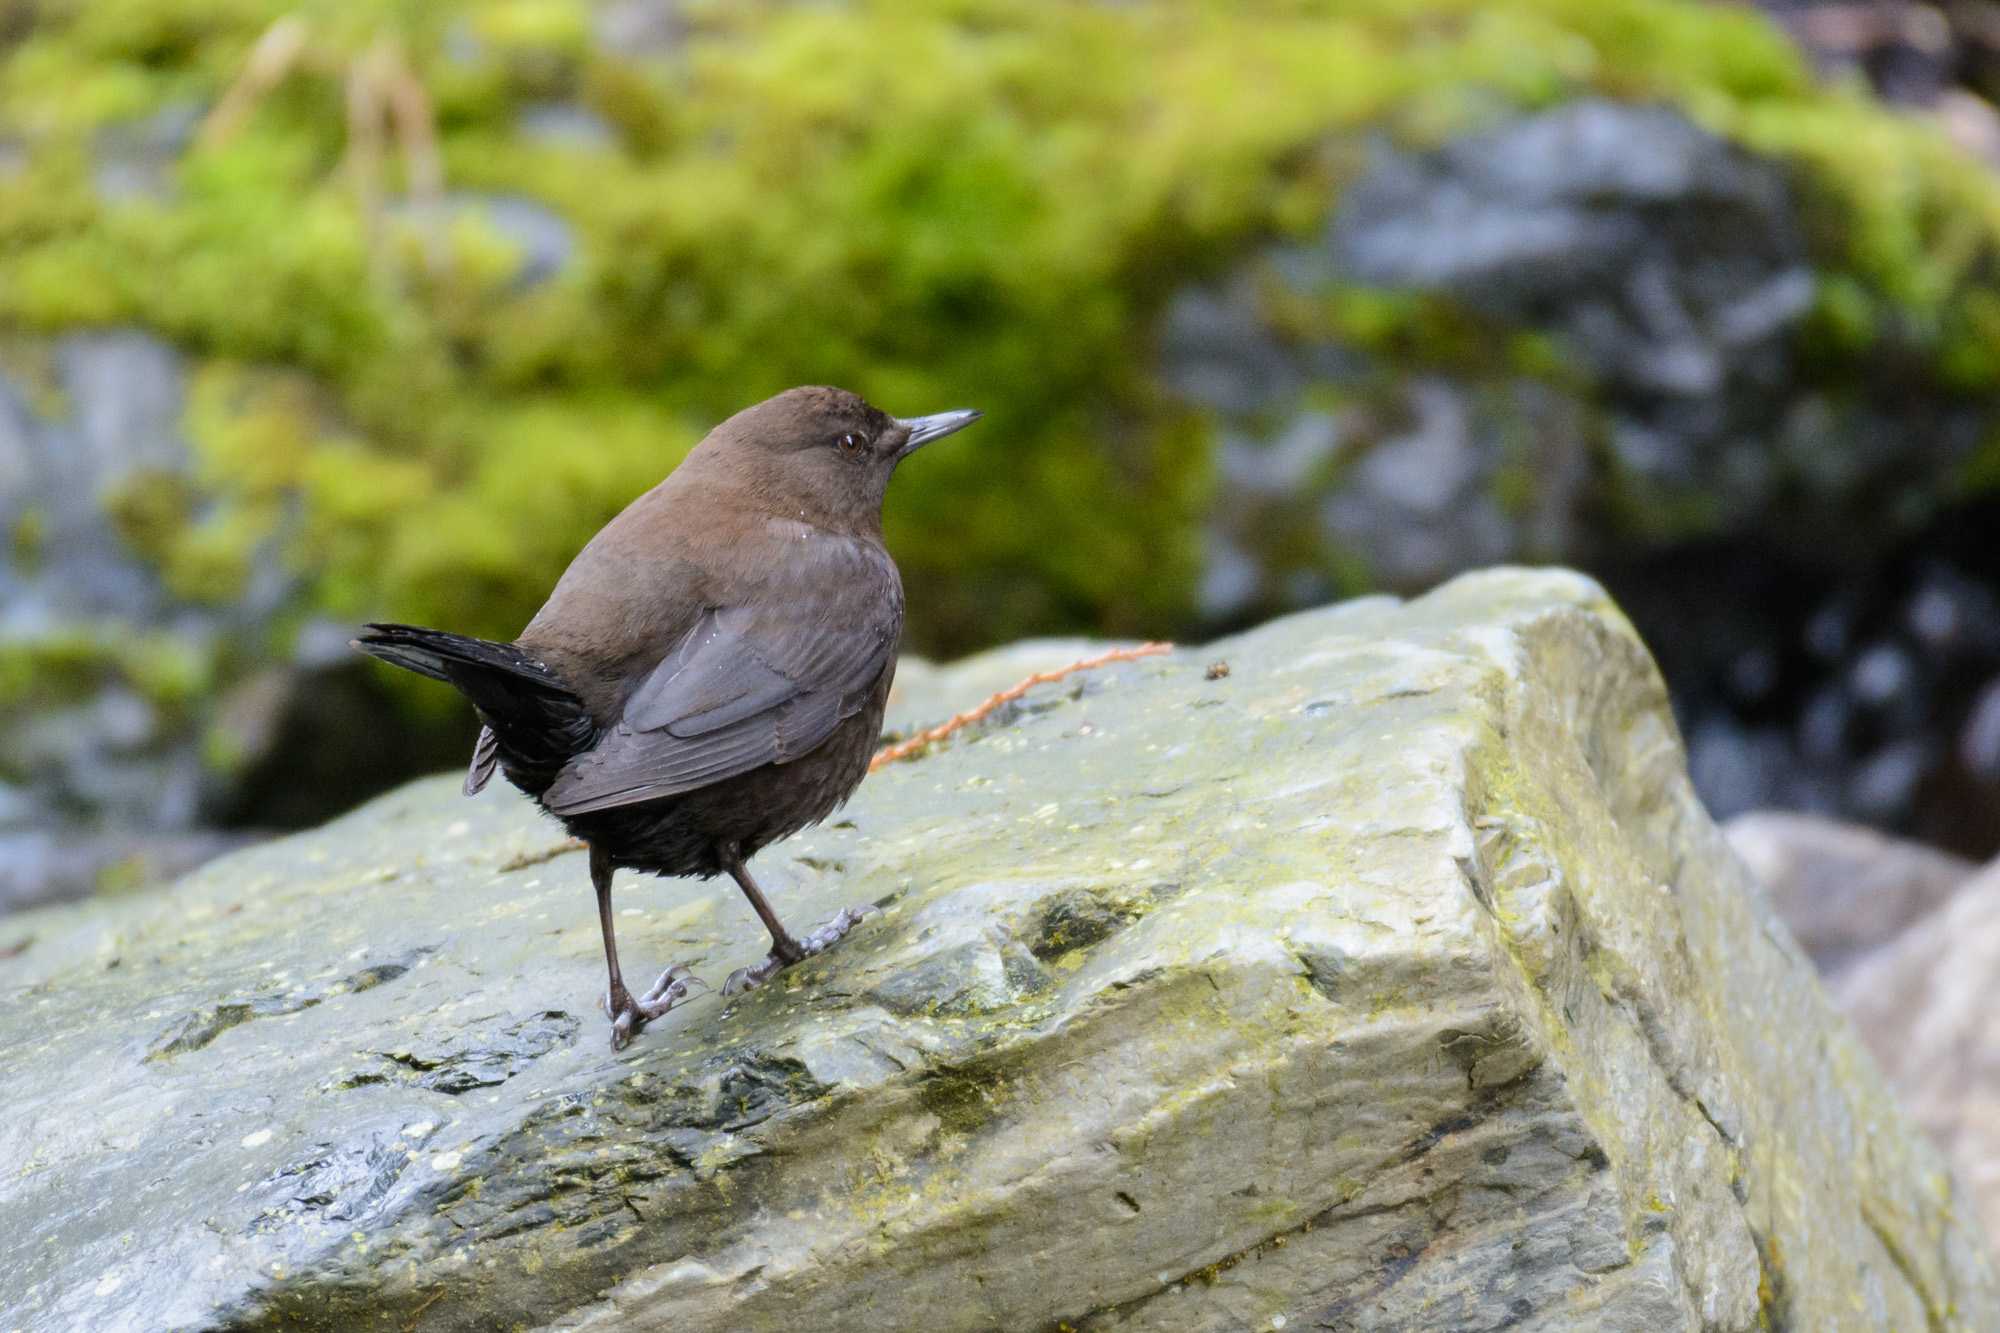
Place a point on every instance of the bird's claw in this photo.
(830, 934)
(629, 1015)
(821, 939)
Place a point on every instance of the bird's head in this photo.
(824, 453)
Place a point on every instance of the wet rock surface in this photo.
(1394, 979)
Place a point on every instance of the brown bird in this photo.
(710, 673)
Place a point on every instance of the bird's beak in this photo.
(934, 427)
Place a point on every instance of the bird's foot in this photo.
(822, 939)
(629, 1015)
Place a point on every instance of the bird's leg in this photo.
(785, 950)
(628, 1015)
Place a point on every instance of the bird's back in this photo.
(633, 591)
(711, 638)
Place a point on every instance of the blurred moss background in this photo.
(452, 282)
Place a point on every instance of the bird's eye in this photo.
(850, 445)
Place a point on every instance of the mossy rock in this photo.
(946, 202)
(1395, 979)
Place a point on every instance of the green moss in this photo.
(150, 511)
(936, 202)
(29, 537)
(65, 668)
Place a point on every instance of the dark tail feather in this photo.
(537, 722)
(435, 652)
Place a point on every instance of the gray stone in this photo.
(1733, 768)
(639, 27)
(1883, 786)
(543, 237)
(1925, 1007)
(1663, 276)
(45, 862)
(134, 160)
(1396, 979)
(1230, 579)
(1589, 195)
(1979, 741)
(1216, 351)
(109, 420)
(1844, 890)
(1282, 465)
(569, 125)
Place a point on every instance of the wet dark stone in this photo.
(1076, 920)
(204, 1025)
(484, 1055)
(341, 1183)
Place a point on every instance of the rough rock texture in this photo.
(1924, 1005)
(1586, 334)
(1665, 262)
(1394, 980)
(1843, 890)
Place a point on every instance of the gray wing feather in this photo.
(715, 678)
(745, 688)
(485, 755)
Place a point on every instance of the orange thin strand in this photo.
(904, 749)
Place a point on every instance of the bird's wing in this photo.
(747, 686)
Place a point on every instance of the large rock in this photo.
(1393, 980)
(1844, 890)
(1924, 1005)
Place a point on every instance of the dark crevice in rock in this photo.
(1934, 1317)
(1487, 1103)
(1323, 970)
(1478, 880)
(962, 1098)
(1495, 1058)
(1774, 1297)
(482, 1056)
(1623, 994)
(1652, 1030)
(336, 1184)
(204, 1025)
(732, 1091)
(1024, 976)
(1076, 920)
